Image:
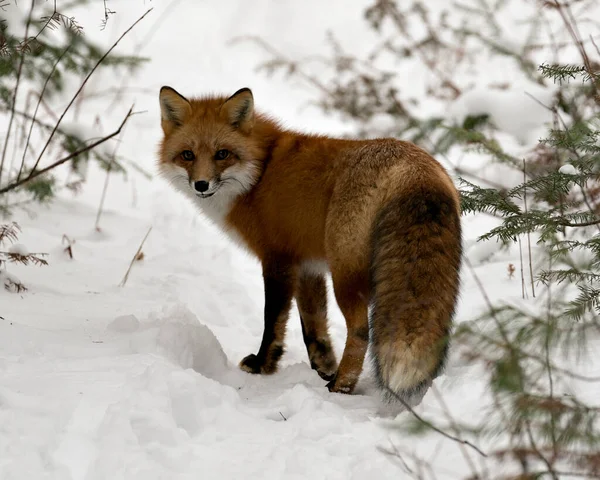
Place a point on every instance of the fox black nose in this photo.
(201, 186)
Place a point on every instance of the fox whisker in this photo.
(227, 179)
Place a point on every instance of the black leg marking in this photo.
(278, 281)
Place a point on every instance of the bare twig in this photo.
(124, 281)
(107, 13)
(41, 95)
(436, 429)
(69, 248)
(396, 453)
(537, 451)
(141, 44)
(41, 123)
(548, 363)
(37, 173)
(595, 45)
(523, 289)
(528, 233)
(105, 188)
(455, 429)
(276, 54)
(566, 223)
(83, 83)
(564, 474)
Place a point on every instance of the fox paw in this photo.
(251, 364)
(327, 376)
(254, 364)
(337, 386)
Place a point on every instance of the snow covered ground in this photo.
(99, 381)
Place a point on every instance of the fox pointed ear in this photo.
(174, 108)
(239, 109)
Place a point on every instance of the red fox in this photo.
(381, 216)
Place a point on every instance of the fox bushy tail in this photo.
(416, 256)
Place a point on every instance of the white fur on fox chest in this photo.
(215, 208)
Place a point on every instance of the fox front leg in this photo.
(278, 279)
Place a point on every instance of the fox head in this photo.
(208, 148)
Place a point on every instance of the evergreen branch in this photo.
(15, 286)
(571, 275)
(588, 300)
(561, 73)
(536, 220)
(9, 232)
(14, 98)
(490, 200)
(463, 172)
(571, 26)
(47, 21)
(54, 20)
(562, 247)
(30, 258)
(552, 186)
(491, 146)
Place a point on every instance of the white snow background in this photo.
(99, 381)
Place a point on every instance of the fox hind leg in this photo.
(311, 298)
(352, 298)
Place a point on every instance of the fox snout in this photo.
(203, 177)
(201, 186)
(204, 188)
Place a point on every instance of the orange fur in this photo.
(382, 215)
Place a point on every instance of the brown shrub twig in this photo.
(36, 173)
(40, 97)
(436, 429)
(137, 256)
(83, 83)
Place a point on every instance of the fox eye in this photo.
(188, 155)
(221, 154)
